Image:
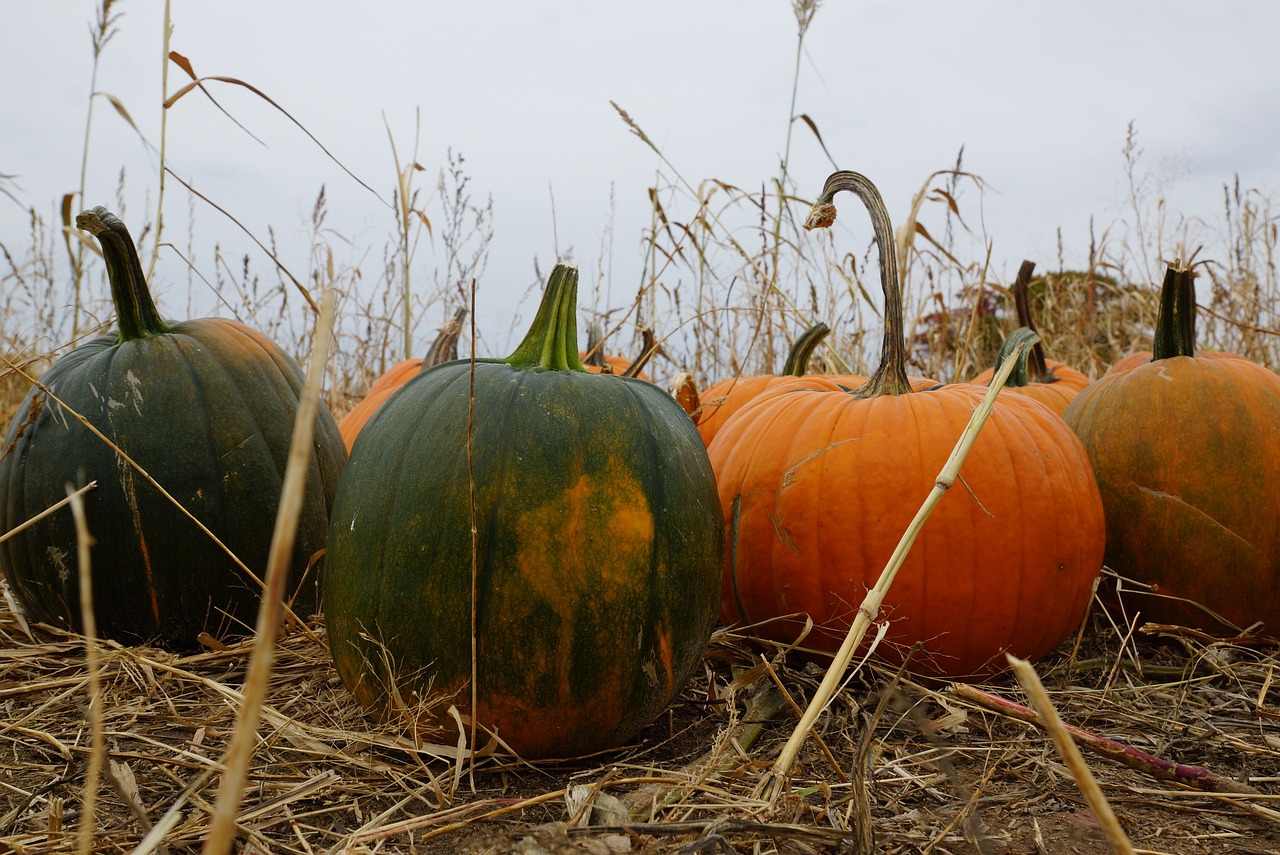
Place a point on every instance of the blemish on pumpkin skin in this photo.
(1166, 496)
(585, 539)
(131, 499)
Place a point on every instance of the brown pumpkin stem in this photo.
(1176, 318)
(891, 377)
(1021, 374)
(445, 347)
(552, 340)
(648, 347)
(797, 364)
(1037, 367)
(136, 311)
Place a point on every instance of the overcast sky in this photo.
(1038, 94)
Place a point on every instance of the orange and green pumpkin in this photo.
(818, 484)
(590, 580)
(1186, 451)
(206, 407)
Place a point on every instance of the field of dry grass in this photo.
(728, 280)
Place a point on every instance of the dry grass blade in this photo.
(1070, 754)
(98, 755)
(231, 790)
(77, 494)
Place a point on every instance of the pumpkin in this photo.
(818, 483)
(593, 573)
(685, 391)
(1050, 382)
(1142, 357)
(721, 400)
(443, 349)
(1186, 451)
(206, 407)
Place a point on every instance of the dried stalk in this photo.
(1156, 767)
(1071, 755)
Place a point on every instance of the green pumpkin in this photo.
(598, 547)
(206, 407)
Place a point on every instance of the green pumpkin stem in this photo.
(891, 377)
(1036, 364)
(1021, 375)
(552, 339)
(1176, 318)
(135, 309)
(797, 364)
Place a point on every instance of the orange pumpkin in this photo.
(1185, 452)
(443, 349)
(1143, 357)
(726, 397)
(1052, 383)
(818, 484)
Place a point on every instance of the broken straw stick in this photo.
(1070, 753)
(1156, 767)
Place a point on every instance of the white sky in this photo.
(1039, 94)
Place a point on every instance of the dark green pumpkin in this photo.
(206, 407)
(598, 547)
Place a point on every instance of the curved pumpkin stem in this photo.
(1036, 364)
(1021, 374)
(445, 347)
(1176, 319)
(552, 339)
(797, 364)
(891, 377)
(135, 309)
(648, 347)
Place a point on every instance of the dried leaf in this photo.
(804, 117)
(183, 63)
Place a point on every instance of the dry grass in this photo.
(913, 767)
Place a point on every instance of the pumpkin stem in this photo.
(1021, 375)
(445, 347)
(1176, 319)
(552, 339)
(797, 364)
(891, 377)
(595, 347)
(135, 309)
(1036, 364)
(648, 347)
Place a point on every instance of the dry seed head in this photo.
(821, 216)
